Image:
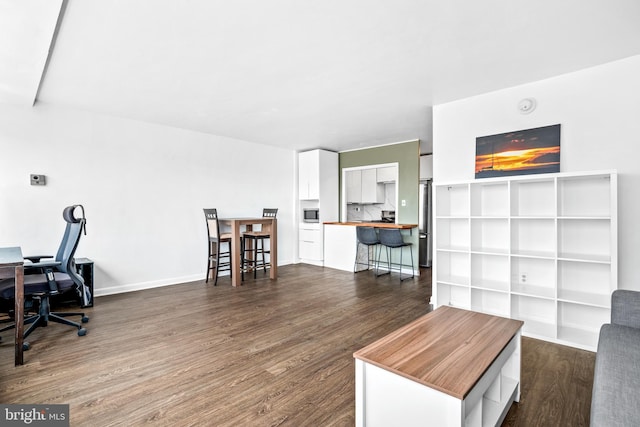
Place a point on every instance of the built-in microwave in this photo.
(310, 215)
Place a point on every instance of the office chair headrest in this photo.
(68, 216)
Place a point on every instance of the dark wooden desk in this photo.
(235, 224)
(11, 262)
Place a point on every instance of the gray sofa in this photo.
(616, 383)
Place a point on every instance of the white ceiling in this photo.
(337, 74)
(26, 31)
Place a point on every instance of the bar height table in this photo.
(12, 264)
(236, 234)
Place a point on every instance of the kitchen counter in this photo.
(374, 224)
(340, 242)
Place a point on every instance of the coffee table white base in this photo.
(385, 398)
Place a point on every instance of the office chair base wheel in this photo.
(82, 332)
(25, 346)
(85, 319)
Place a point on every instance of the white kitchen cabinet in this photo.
(538, 248)
(318, 189)
(362, 187)
(372, 192)
(426, 167)
(387, 174)
(309, 175)
(310, 242)
(354, 186)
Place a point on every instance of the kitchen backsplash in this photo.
(368, 212)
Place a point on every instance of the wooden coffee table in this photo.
(451, 367)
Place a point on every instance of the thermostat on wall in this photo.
(37, 179)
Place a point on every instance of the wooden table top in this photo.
(257, 220)
(448, 349)
(375, 224)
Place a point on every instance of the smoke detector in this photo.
(527, 105)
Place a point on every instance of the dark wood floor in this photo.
(266, 354)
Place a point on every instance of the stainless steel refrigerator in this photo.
(425, 224)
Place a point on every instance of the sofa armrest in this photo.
(616, 379)
(625, 308)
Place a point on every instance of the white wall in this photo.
(143, 187)
(599, 112)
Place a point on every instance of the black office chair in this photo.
(391, 238)
(47, 276)
(368, 237)
(217, 260)
(257, 246)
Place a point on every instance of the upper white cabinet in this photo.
(354, 186)
(372, 192)
(426, 167)
(386, 174)
(538, 248)
(362, 186)
(309, 175)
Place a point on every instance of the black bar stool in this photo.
(391, 238)
(217, 259)
(257, 246)
(367, 237)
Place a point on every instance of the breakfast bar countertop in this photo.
(374, 224)
(340, 247)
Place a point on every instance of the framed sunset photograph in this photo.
(519, 153)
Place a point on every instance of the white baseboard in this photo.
(111, 290)
(131, 287)
(312, 262)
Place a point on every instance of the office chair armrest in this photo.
(43, 264)
(37, 258)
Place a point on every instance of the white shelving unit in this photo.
(538, 248)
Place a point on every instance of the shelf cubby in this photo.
(533, 198)
(452, 233)
(452, 200)
(452, 267)
(538, 314)
(533, 237)
(491, 302)
(490, 272)
(585, 195)
(455, 296)
(490, 235)
(585, 283)
(490, 199)
(586, 239)
(581, 324)
(533, 277)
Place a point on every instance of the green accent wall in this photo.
(407, 155)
